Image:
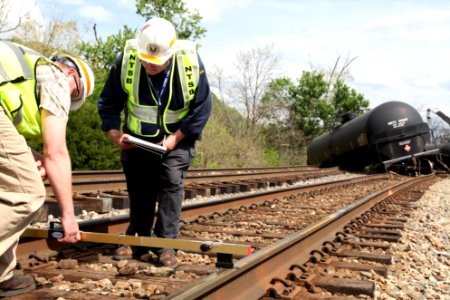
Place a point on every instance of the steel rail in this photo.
(251, 276)
(119, 224)
(101, 173)
(234, 282)
(115, 180)
(190, 211)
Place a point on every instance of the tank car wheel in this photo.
(427, 166)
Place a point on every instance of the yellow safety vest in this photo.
(142, 118)
(18, 87)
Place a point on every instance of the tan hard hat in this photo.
(156, 41)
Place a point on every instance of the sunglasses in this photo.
(77, 83)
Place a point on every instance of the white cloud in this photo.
(96, 12)
(72, 2)
(127, 3)
(402, 47)
(401, 56)
(412, 18)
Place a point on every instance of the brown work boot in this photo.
(16, 285)
(168, 259)
(123, 252)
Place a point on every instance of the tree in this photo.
(218, 80)
(338, 75)
(222, 147)
(4, 12)
(102, 55)
(309, 103)
(255, 68)
(54, 36)
(283, 139)
(322, 98)
(345, 100)
(276, 102)
(439, 127)
(89, 146)
(185, 22)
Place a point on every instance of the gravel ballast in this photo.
(421, 268)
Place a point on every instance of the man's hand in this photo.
(118, 138)
(40, 164)
(71, 230)
(171, 141)
(41, 169)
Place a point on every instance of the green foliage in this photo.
(276, 102)
(347, 100)
(89, 146)
(296, 113)
(288, 141)
(280, 131)
(185, 21)
(316, 106)
(102, 55)
(272, 157)
(309, 104)
(224, 144)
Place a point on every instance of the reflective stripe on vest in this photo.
(18, 87)
(26, 71)
(188, 69)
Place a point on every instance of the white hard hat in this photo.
(86, 77)
(156, 41)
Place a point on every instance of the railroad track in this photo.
(103, 191)
(89, 181)
(298, 235)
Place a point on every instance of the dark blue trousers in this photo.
(152, 179)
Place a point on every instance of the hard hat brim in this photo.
(160, 60)
(76, 105)
(77, 102)
(87, 84)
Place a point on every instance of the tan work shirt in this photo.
(53, 90)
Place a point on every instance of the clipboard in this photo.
(151, 147)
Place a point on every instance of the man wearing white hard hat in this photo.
(160, 84)
(36, 95)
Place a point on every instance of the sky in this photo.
(401, 48)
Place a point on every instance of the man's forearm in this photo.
(59, 172)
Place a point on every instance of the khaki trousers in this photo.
(22, 192)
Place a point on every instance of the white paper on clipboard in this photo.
(158, 149)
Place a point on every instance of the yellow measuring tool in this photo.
(223, 250)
